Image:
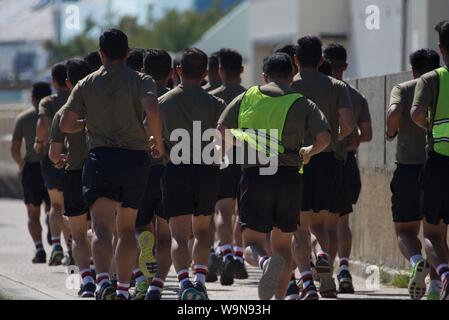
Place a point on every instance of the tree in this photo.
(174, 32)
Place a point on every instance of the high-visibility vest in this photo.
(440, 126)
(260, 113)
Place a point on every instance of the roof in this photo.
(19, 22)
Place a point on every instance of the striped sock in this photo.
(55, 242)
(200, 273)
(307, 278)
(122, 289)
(183, 276)
(86, 276)
(138, 275)
(226, 251)
(38, 245)
(238, 254)
(262, 261)
(343, 264)
(443, 271)
(102, 278)
(157, 284)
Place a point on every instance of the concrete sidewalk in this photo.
(20, 279)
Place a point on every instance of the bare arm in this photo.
(394, 115)
(346, 121)
(16, 145)
(419, 116)
(56, 156)
(321, 142)
(366, 131)
(42, 130)
(70, 122)
(154, 124)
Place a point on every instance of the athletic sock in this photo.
(157, 284)
(343, 265)
(123, 289)
(443, 271)
(55, 242)
(200, 273)
(86, 276)
(435, 286)
(238, 254)
(183, 276)
(307, 278)
(262, 261)
(103, 278)
(415, 259)
(38, 245)
(138, 275)
(92, 264)
(226, 251)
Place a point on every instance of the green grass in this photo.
(385, 277)
(401, 281)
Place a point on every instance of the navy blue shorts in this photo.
(152, 200)
(189, 190)
(117, 174)
(54, 178)
(74, 202)
(34, 191)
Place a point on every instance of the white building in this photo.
(257, 26)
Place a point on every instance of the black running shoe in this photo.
(309, 293)
(106, 292)
(213, 267)
(345, 285)
(227, 273)
(153, 295)
(240, 271)
(40, 256)
(292, 291)
(201, 291)
(87, 290)
(187, 291)
(57, 254)
(328, 288)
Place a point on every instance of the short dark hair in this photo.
(278, 66)
(114, 44)
(157, 63)
(231, 61)
(309, 51)
(336, 54)
(425, 60)
(135, 59)
(213, 62)
(93, 59)
(59, 74)
(289, 49)
(326, 68)
(443, 30)
(77, 70)
(193, 63)
(40, 90)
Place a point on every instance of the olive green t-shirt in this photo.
(183, 106)
(329, 94)
(303, 116)
(360, 109)
(228, 92)
(77, 144)
(426, 95)
(25, 129)
(411, 144)
(110, 99)
(48, 106)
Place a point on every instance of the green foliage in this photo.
(174, 32)
(401, 280)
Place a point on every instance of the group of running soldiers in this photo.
(104, 152)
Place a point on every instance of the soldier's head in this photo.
(289, 49)
(278, 68)
(58, 76)
(309, 53)
(231, 64)
(77, 70)
(93, 60)
(423, 61)
(113, 46)
(158, 64)
(135, 59)
(39, 91)
(193, 67)
(213, 65)
(443, 30)
(337, 56)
